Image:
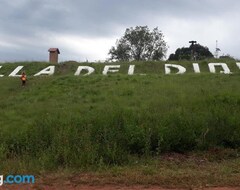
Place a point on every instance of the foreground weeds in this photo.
(83, 122)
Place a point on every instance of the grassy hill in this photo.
(78, 122)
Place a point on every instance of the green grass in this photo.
(64, 121)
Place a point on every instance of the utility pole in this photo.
(192, 46)
(217, 50)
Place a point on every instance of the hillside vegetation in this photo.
(78, 122)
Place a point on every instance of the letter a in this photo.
(47, 71)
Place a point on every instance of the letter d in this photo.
(181, 69)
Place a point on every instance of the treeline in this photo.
(141, 44)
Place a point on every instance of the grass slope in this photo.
(94, 121)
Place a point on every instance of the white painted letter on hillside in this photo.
(1, 75)
(89, 70)
(131, 69)
(14, 73)
(181, 69)
(110, 69)
(47, 71)
(212, 68)
(196, 68)
(238, 65)
(1, 180)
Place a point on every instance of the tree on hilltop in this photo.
(193, 52)
(139, 44)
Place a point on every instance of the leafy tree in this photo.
(196, 52)
(139, 44)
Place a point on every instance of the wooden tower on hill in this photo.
(53, 55)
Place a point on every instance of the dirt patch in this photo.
(171, 171)
(67, 186)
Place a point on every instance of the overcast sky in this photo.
(86, 30)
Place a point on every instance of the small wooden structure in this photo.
(53, 55)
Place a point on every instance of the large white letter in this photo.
(1, 180)
(238, 65)
(180, 68)
(131, 69)
(111, 68)
(196, 68)
(47, 71)
(212, 68)
(14, 73)
(0, 68)
(89, 70)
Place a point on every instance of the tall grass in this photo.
(68, 121)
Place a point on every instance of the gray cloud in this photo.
(29, 28)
